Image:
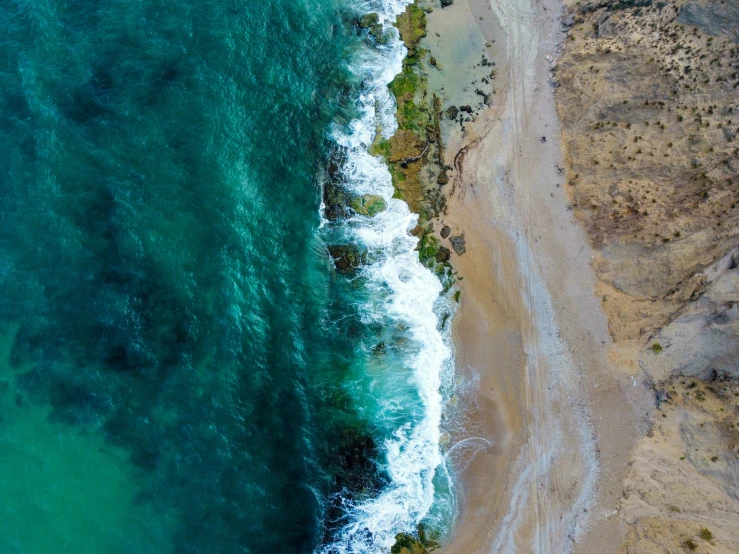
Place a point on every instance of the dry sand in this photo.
(551, 420)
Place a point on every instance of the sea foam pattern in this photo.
(404, 294)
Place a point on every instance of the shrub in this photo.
(706, 534)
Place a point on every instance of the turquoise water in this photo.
(181, 368)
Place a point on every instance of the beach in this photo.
(550, 421)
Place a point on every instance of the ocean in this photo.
(182, 368)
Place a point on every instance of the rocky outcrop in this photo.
(346, 257)
(648, 107)
(458, 244)
(368, 204)
(703, 339)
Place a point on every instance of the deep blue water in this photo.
(182, 368)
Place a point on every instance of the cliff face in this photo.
(648, 96)
(650, 115)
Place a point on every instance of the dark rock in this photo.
(543, 139)
(446, 3)
(488, 100)
(445, 231)
(443, 178)
(458, 244)
(467, 109)
(346, 258)
(335, 201)
(452, 112)
(443, 254)
(354, 467)
(660, 397)
(432, 61)
(379, 348)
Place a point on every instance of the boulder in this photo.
(467, 109)
(458, 244)
(446, 3)
(368, 204)
(443, 178)
(452, 112)
(443, 254)
(445, 231)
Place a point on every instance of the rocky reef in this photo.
(416, 145)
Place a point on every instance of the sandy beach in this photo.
(549, 423)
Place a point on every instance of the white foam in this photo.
(409, 294)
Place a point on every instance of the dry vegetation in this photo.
(650, 114)
(650, 110)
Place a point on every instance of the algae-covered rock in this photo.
(428, 250)
(408, 544)
(335, 201)
(412, 27)
(346, 257)
(368, 20)
(443, 178)
(368, 204)
(443, 254)
(452, 112)
(378, 33)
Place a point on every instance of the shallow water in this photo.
(182, 369)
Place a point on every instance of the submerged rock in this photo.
(452, 112)
(346, 258)
(458, 244)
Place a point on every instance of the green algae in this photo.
(408, 544)
(368, 204)
(407, 151)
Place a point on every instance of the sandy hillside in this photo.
(648, 100)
